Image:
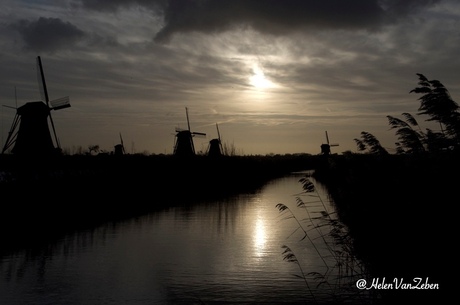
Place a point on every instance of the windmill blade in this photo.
(54, 131)
(201, 134)
(121, 142)
(11, 139)
(188, 122)
(10, 107)
(327, 138)
(41, 81)
(218, 133)
(220, 141)
(44, 93)
(60, 103)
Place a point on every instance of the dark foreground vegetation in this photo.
(399, 212)
(398, 208)
(42, 197)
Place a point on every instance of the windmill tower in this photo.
(183, 145)
(30, 133)
(215, 145)
(119, 148)
(326, 148)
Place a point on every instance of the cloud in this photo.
(115, 5)
(282, 17)
(272, 17)
(48, 34)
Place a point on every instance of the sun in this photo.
(258, 79)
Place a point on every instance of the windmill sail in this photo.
(11, 139)
(41, 81)
(122, 145)
(60, 103)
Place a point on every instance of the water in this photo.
(226, 252)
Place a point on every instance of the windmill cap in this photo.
(35, 107)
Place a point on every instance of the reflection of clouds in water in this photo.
(260, 237)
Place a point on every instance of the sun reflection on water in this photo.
(260, 237)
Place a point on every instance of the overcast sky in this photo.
(274, 75)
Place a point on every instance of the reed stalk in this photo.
(348, 268)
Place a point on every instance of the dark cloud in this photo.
(282, 17)
(48, 34)
(114, 5)
(400, 8)
(274, 17)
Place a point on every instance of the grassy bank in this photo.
(398, 209)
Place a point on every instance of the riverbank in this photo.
(46, 197)
(399, 213)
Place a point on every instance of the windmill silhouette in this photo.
(30, 132)
(183, 145)
(120, 148)
(215, 145)
(326, 148)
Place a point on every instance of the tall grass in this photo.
(331, 242)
